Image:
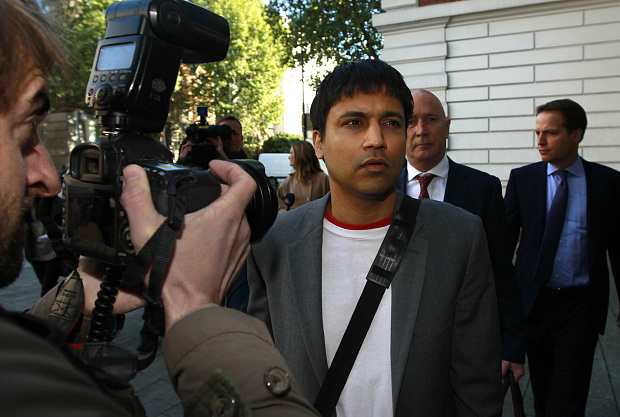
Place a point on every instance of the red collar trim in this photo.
(375, 225)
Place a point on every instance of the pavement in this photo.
(159, 399)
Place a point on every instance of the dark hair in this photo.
(573, 114)
(229, 117)
(28, 40)
(368, 76)
(306, 164)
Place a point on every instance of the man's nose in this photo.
(419, 128)
(374, 136)
(41, 174)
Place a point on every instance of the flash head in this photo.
(136, 66)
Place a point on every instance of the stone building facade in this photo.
(61, 131)
(491, 62)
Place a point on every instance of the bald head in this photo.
(427, 132)
(429, 100)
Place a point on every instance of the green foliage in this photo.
(325, 30)
(280, 143)
(280, 32)
(246, 83)
(84, 21)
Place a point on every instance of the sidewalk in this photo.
(159, 399)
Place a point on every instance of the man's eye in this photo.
(353, 122)
(393, 123)
(34, 128)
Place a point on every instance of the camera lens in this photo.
(263, 207)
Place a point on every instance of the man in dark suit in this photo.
(566, 211)
(475, 191)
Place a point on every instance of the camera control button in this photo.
(95, 78)
(103, 77)
(102, 95)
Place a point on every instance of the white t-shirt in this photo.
(347, 257)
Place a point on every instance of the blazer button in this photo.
(223, 406)
(277, 381)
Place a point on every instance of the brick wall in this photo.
(491, 64)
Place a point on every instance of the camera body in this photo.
(132, 80)
(95, 222)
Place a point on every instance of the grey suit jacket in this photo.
(445, 345)
(481, 194)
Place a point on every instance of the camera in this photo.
(203, 150)
(131, 82)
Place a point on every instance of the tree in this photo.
(280, 143)
(84, 21)
(325, 30)
(246, 83)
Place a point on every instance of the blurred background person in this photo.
(232, 148)
(307, 183)
(225, 148)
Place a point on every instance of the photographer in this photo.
(218, 359)
(227, 148)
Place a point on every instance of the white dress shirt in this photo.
(437, 187)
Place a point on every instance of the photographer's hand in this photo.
(211, 247)
(219, 147)
(185, 150)
(91, 271)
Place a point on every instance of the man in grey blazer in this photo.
(433, 348)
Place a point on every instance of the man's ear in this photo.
(577, 135)
(318, 144)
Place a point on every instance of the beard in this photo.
(12, 243)
(12, 257)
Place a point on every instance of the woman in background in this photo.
(307, 183)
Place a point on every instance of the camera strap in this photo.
(378, 280)
(158, 251)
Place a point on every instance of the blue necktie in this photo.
(553, 230)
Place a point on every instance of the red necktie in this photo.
(424, 179)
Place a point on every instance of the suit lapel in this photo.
(305, 270)
(537, 193)
(594, 192)
(406, 292)
(456, 185)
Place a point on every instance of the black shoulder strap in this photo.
(378, 279)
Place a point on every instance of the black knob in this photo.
(103, 94)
